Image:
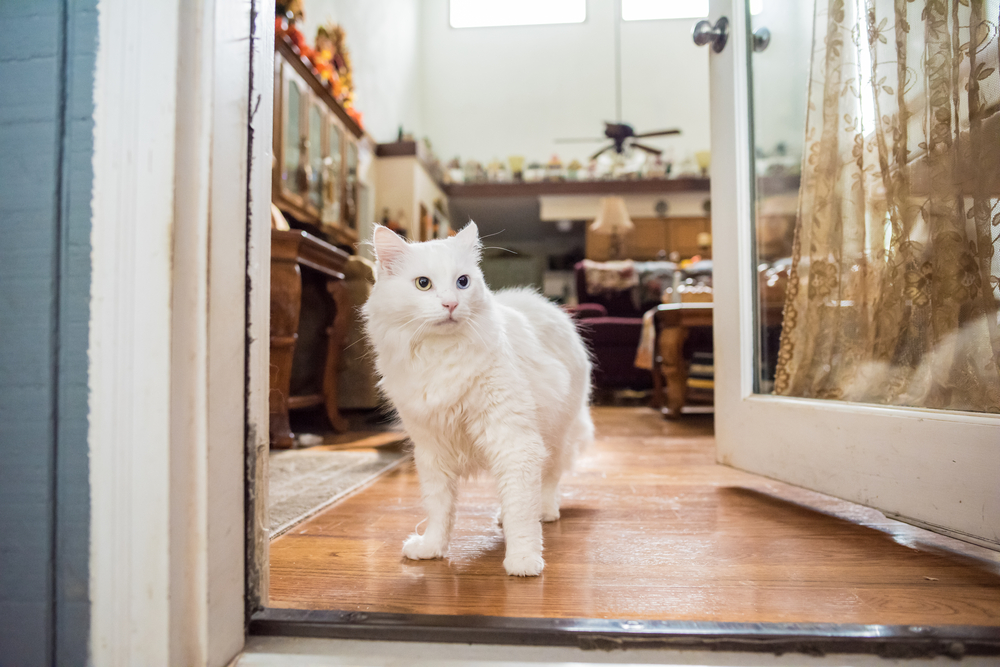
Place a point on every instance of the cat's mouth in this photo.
(451, 319)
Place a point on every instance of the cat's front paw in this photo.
(417, 548)
(524, 564)
(550, 514)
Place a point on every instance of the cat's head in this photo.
(430, 288)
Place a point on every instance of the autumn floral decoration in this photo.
(330, 59)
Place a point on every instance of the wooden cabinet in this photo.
(316, 151)
(315, 181)
(652, 236)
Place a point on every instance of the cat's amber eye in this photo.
(463, 282)
(423, 283)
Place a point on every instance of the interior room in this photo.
(581, 148)
(473, 332)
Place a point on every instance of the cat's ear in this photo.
(469, 237)
(390, 249)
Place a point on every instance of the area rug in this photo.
(303, 482)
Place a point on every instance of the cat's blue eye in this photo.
(463, 282)
(423, 283)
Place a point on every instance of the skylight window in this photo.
(491, 13)
(648, 10)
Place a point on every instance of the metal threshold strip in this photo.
(887, 641)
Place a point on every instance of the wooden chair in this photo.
(673, 323)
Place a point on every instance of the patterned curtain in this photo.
(895, 281)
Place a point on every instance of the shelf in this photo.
(414, 149)
(400, 149)
(523, 189)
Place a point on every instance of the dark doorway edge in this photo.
(888, 641)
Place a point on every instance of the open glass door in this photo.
(855, 210)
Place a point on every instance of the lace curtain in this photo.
(895, 279)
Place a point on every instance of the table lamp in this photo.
(613, 220)
(704, 160)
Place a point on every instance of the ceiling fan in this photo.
(622, 135)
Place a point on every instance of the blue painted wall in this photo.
(47, 56)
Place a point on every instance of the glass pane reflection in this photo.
(293, 138)
(780, 76)
(315, 156)
(879, 258)
(331, 175)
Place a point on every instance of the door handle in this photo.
(761, 38)
(705, 33)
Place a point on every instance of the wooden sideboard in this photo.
(291, 252)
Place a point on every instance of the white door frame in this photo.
(932, 468)
(175, 397)
(170, 389)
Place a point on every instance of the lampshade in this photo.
(612, 217)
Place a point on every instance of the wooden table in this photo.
(290, 251)
(672, 322)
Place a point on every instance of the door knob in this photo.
(717, 36)
(761, 38)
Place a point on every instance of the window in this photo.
(647, 10)
(484, 13)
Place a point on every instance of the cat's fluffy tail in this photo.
(581, 432)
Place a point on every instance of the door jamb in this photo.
(170, 397)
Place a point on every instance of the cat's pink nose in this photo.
(450, 305)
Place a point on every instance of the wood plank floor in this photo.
(651, 528)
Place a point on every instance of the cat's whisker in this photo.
(475, 329)
(492, 247)
(353, 344)
(416, 341)
(409, 322)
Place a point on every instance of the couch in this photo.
(609, 312)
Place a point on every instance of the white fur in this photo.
(504, 388)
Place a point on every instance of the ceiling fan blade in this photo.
(648, 149)
(580, 140)
(659, 133)
(598, 153)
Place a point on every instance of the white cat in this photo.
(482, 381)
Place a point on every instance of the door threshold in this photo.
(814, 639)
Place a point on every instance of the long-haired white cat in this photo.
(482, 381)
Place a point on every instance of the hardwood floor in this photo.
(651, 528)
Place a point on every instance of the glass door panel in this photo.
(877, 202)
(292, 140)
(780, 78)
(315, 149)
(332, 177)
(350, 186)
